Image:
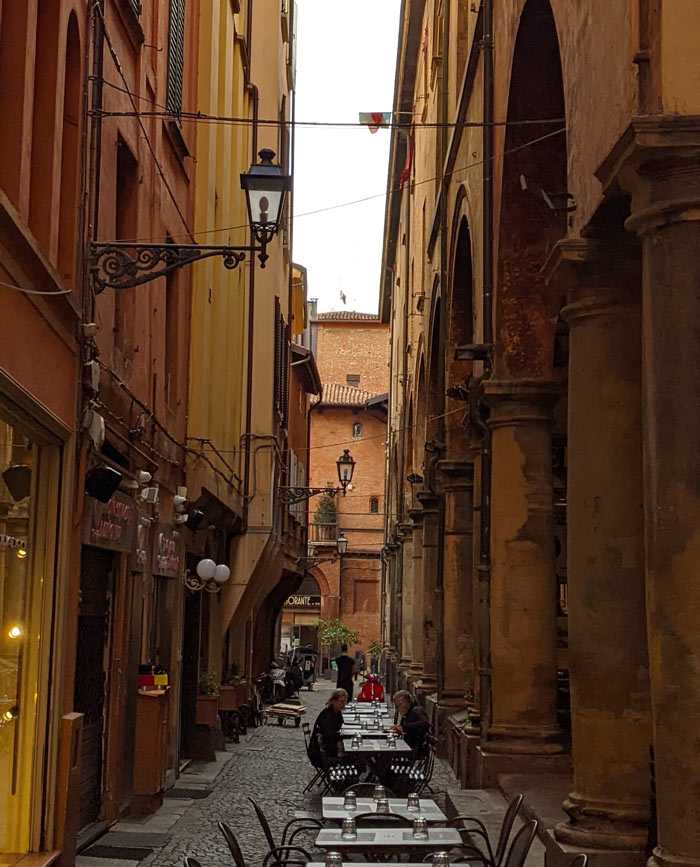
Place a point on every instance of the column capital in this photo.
(657, 161)
(596, 276)
(404, 531)
(456, 475)
(429, 501)
(416, 516)
(520, 401)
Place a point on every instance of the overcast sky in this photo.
(346, 57)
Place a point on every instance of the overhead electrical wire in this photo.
(365, 198)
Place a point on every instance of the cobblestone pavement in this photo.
(270, 765)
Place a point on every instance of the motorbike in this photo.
(272, 684)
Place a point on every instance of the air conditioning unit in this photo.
(149, 495)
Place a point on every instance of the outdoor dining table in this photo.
(352, 730)
(388, 840)
(377, 745)
(333, 809)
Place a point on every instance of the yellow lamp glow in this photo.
(15, 632)
(21, 553)
(11, 713)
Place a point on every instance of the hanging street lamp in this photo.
(124, 264)
(290, 494)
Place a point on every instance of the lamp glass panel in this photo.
(265, 205)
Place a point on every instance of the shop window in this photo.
(27, 511)
(357, 429)
(374, 505)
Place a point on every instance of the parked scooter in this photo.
(272, 683)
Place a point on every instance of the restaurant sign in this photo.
(303, 602)
(110, 525)
(142, 543)
(167, 551)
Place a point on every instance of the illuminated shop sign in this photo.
(303, 602)
(110, 525)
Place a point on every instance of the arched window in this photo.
(374, 505)
(357, 429)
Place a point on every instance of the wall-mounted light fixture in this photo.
(209, 576)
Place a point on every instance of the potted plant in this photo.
(234, 689)
(208, 699)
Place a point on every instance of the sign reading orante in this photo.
(303, 602)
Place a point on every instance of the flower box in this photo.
(207, 710)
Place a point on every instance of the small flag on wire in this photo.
(375, 119)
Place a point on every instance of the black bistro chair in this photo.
(294, 827)
(471, 827)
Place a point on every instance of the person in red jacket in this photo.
(371, 690)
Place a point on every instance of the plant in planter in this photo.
(234, 689)
(208, 699)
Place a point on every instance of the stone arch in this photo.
(526, 311)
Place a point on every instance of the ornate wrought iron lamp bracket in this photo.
(192, 581)
(310, 562)
(121, 265)
(291, 494)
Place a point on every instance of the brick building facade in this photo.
(352, 351)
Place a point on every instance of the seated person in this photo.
(413, 725)
(328, 724)
(371, 689)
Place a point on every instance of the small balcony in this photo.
(323, 534)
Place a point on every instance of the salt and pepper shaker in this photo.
(355, 745)
(349, 830)
(379, 792)
(391, 741)
(440, 859)
(364, 723)
(383, 805)
(334, 859)
(420, 828)
(350, 802)
(413, 801)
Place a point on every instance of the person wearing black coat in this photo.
(413, 725)
(329, 722)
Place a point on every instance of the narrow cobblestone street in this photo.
(270, 765)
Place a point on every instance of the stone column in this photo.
(430, 565)
(608, 661)
(658, 161)
(406, 615)
(416, 670)
(458, 619)
(523, 582)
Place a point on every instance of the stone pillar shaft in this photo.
(416, 670)
(608, 663)
(659, 164)
(523, 582)
(406, 598)
(458, 619)
(430, 566)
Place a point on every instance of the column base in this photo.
(604, 824)
(490, 765)
(560, 854)
(524, 740)
(663, 858)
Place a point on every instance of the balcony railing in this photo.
(323, 534)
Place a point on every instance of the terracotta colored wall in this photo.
(354, 347)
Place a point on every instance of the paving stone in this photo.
(87, 861)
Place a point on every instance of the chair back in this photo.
(521, 845)
(264, 824)
(282, 855)
(507, 827)
(382, 819)
(230, 838)
(579, 861)
(306, 728)
(191, 861)
(368, 789)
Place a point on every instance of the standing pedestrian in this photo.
(346, 668)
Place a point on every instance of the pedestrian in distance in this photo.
(346, 668)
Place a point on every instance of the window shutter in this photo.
(176, 56)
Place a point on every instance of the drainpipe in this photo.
(484, 568)
(251, 286)
(445, 184)
(95, 141)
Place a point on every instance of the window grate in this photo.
(176, 56)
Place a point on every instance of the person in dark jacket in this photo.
(413, 725)
(346, 666)
(329, 722)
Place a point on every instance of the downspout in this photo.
(445, 184)
(484, 568)
(95, 143)
(251, 286)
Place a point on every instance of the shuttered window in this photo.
(281, 366)
(176, 56)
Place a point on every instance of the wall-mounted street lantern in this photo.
(210, 576)
(341, 545)
(122, 264)
(290, 494)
